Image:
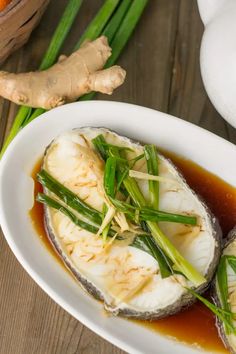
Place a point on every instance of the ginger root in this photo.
(68, 79)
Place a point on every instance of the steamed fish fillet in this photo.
(229, 250)
(127, 279)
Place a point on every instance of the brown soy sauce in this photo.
(37, 215)
(196, 325)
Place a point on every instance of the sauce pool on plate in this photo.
(196, 325)
(37, 215)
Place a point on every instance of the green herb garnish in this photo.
(147, 213)
(109, 176)
(52, 203)
(68, 197)
(222, 314)
(151, 157)
(146, 243)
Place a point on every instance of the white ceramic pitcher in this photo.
(218, 55)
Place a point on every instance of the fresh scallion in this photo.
(232, 262)
(112, 26)
(106, 230)
(158, 215)
(112, 146)
(151, 157)
(147, 213)
(122, 35)
(42, 198)
(109, 176)
(96, 26)
(146, 243)
(68, 197)
(102, 149)
(60, 33)
(222, 287)
(136, 159)
(125, 30)
(222, 314)
(179, 261)
(52, 203)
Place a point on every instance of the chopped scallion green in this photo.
(146, 243)
(68, 197)
(151, 157)
(222, 314)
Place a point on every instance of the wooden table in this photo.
(162, 63)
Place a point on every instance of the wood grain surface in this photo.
(162, 63)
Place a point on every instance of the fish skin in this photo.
(182, 303)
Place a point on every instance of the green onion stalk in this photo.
(151, 157)
(147, 244)
(223, 315)
(223, 312)
(52, 203)
(148, 213)
(68, 197)
(106, 229)
(45, 199)
(222, 290)
(121, 37)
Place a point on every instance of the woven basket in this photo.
(17, 21)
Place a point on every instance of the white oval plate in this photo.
(208, 150)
